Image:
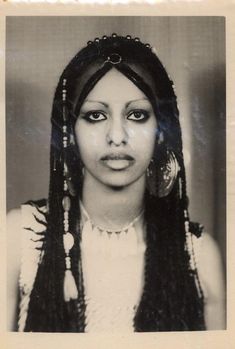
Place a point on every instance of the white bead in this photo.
(68, 241)
(154, 51)
(186, 224)
(66, 203)
(65, 169)
(68, 262)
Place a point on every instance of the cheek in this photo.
(87, 139)
(143, 140)
(85, 145)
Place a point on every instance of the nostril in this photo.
(116, 142)
(117, 135)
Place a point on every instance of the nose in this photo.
(117, 133)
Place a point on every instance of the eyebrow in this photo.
(93, 101)
(126, 105)
(137, 100)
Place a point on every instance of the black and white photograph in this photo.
(116, 174)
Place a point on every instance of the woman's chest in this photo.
(113, 275)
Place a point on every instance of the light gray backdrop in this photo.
(193, 52)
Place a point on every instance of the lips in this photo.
(117, 161)
(117, 156)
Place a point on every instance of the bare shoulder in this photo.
(209, 260)
(13, 224)
(13, 216)
(211, 274)
(14, 234)
(14, 227)
(23, 250)
(13, 264)
(24, 221)
(210, 249)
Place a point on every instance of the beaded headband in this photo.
(127, 38)
(114, 35)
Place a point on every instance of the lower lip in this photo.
(119, 164)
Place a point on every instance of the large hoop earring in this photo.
(161, 176)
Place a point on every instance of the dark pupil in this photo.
(96, 115)
(138, 114)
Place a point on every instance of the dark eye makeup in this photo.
(94, 116)
(136, 115)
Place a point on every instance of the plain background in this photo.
(193, 51)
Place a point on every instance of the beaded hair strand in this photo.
(172, 298)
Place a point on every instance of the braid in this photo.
(170, 300)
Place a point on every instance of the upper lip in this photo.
(117, 156)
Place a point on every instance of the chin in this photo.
(119, 180)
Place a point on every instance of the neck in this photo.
(110, 207)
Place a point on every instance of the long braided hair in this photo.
(172, 299)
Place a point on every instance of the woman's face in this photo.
(116, 131)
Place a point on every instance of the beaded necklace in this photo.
(107, 230)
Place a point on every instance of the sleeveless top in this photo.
(112, 263)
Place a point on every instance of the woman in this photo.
(113, 248)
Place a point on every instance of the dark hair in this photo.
(172, 299)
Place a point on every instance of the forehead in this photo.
(114, 86)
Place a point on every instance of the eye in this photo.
(138, 115)
(94, 116)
